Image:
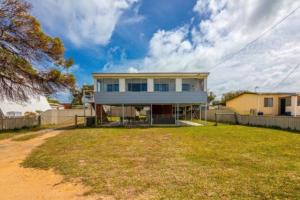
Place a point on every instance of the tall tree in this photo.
(31, 62)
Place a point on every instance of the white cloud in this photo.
(83, 22)
(229, 25)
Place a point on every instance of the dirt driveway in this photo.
(23, 183)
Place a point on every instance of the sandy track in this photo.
(24, 183)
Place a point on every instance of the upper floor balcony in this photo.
(150, 85)
(145, 89)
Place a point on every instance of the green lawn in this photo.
(211, 162)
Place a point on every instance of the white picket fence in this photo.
(10, 123)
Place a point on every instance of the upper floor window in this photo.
(192, 84)
(298, 100)
(112, 87)
(268, 102)
(108, 85)
(186, 87)
(164, 85)
(136, 85)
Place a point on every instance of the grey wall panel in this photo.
(150, 97)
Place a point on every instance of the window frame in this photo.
(136, 85)
(268, 102)
(288, 101)
(113, 87)
(161, 87)
(103, 85)
(183, 87)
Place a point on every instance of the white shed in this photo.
(34, 104)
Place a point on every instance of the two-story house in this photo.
(153, 98)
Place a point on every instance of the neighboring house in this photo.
(163, 97)
(13, 109)
(266, 103)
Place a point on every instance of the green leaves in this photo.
(24, 44)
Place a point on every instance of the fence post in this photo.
(76, 121)
(39, 120)
(2, 123)
(236, 118)
(216, 119)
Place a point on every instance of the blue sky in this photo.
(131, 40)
(180, 35)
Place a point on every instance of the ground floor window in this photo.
(298, 101)
(288, 101)
(268, 102)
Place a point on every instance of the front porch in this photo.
(289, 106)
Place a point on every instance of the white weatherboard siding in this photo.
(178, 84)
(294, 105)
(33, 105)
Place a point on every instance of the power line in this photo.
(287, 76)
(256, 39)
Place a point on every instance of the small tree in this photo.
(211, 97)
(22, 45)
(78, 94)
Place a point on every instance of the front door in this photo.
(282, 106)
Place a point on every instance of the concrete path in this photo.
(21, 183)
(189, 123)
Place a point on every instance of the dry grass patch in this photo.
(223, 162)
(25, 137)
